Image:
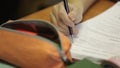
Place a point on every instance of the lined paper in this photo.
(99, 37)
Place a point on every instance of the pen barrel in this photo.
(68, 10)
(70, 30)
(66, 6)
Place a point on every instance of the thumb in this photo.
(76, 18)
(72, 16)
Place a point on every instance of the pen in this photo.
(67, 10)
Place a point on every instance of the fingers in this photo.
(61, 26)
(72, 16)
(61, 19)
(75, 15)
(64, 28)
(64, 17)
(58, 23)
(65, 20)
(53, 19)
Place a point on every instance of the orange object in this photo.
(30, 49)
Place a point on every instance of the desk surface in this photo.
(95, 9)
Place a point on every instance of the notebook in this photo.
(99, 37)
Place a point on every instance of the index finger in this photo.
(64, 17)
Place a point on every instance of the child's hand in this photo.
(62, 20)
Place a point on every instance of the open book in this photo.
(99, 37)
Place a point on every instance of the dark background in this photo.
(15, 9)
(8, 9)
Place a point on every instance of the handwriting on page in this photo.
(99, 37)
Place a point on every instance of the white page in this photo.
(99, 37)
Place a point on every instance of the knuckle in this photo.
(60, 13)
